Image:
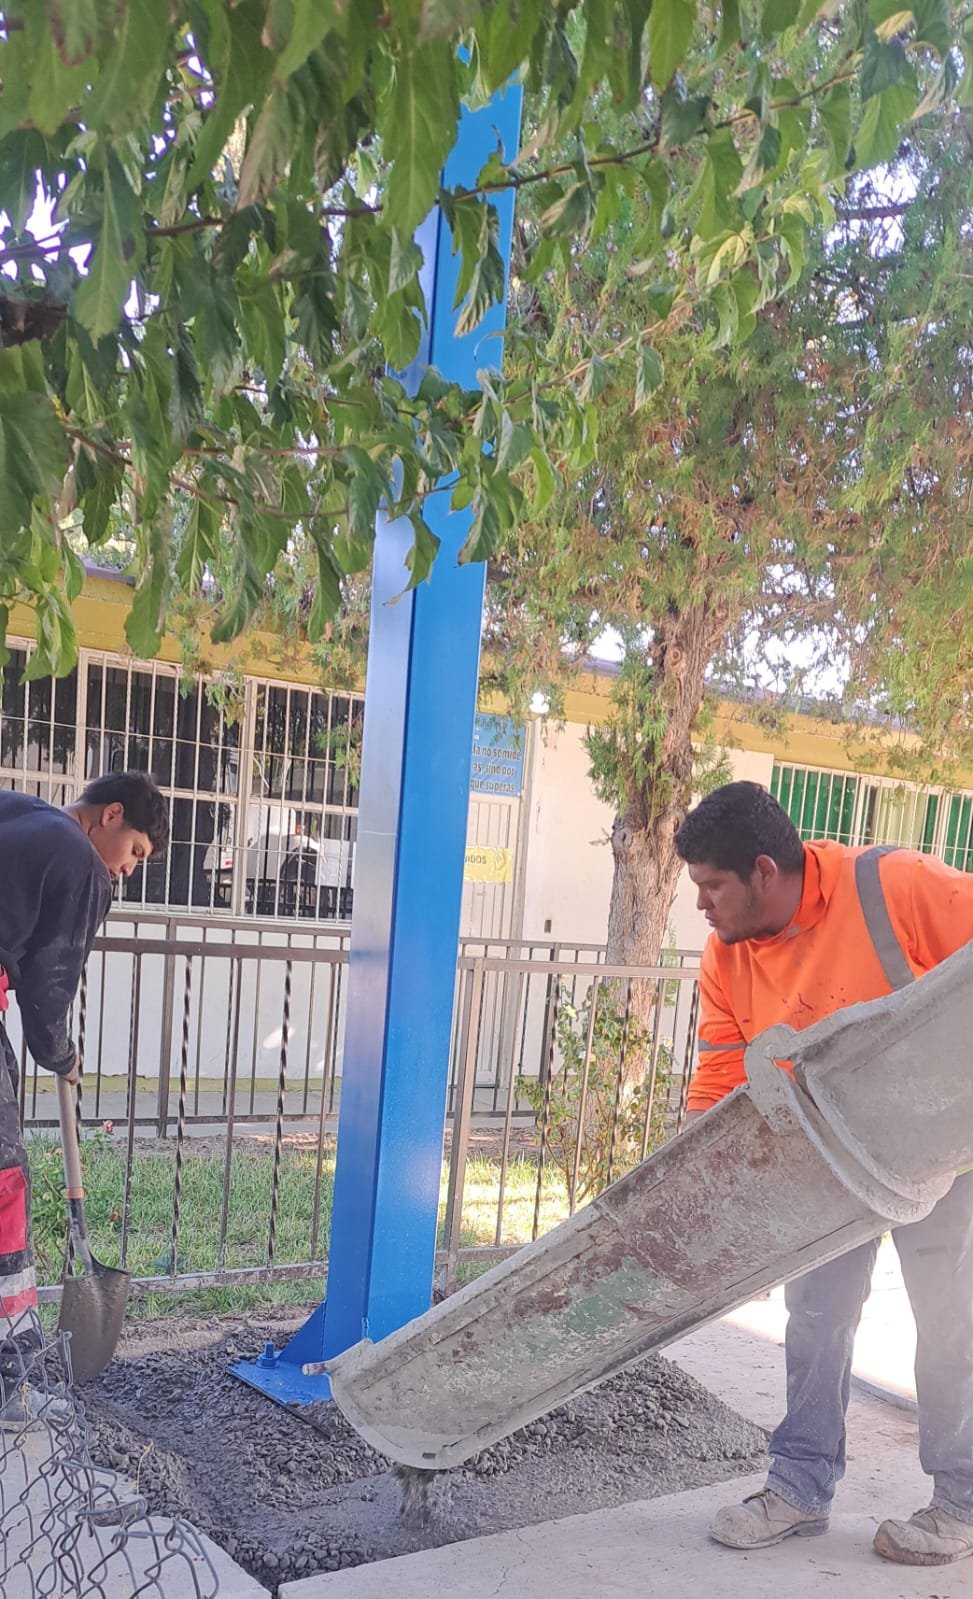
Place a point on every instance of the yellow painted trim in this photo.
(804, 741)
(100, 611)
(99, 615)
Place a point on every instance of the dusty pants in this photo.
(808, 1448)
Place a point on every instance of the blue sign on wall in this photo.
(498, 757)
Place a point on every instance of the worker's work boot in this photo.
(764, 1519)
(932, 1537)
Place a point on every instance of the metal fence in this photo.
(590, 1061)
(68, 1527)
(212, 1081)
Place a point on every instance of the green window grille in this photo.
(858, 810)
(958, 849)
(820, 804)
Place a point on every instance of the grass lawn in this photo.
(150, 1203)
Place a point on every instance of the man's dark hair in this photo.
(735, 824)
(141, 800)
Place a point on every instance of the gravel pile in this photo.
(288, 1493)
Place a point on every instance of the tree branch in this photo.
(875, 213)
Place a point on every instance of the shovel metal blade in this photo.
(92, 1311)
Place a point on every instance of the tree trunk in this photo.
(643, 837)
(643, 888)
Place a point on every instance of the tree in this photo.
(209, 262)
(811, 488)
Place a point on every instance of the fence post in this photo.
(462, 1116)
(165, 1035)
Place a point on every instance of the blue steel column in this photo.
(420, 704)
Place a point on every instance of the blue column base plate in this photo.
(284, 1382)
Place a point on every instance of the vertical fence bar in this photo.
(255, 1039)
(181, 1118)
(165, 1036)
(82, 1029)
(583, 1095)
(131, 1098)
(310, 1035)
(551, 1005)
(279, 1122)
(101, 1034)
(619, 1082)
(687, 1065)
(231, 1113)
(322, 1113)
(460, 1141)
(333, 1037)
(509, 1111)
(547, 1062)
(660, 989)
(230, 1045)
(23, 1083)
(200, 1011)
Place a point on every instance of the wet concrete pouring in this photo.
(292, 1493)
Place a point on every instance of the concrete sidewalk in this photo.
(660, 1547)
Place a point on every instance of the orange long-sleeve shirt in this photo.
(824, 959)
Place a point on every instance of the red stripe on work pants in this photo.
(15, 1303)
(13, 1211)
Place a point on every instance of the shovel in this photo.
(92, 1303)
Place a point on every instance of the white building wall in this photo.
(567, 838)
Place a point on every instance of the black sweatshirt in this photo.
(55, 892)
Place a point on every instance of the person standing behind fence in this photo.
(57, 870)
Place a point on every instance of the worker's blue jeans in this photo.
(808, 1448)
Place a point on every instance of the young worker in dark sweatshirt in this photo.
(57, 872)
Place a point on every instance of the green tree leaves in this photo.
(125, 90)
(222, 270)
(671, 24)
(420, 128)
(119, 245)
(33, 453)
(649, 372)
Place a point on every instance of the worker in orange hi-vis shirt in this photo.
(799, 931)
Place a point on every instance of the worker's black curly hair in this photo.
(141, 800)
(735, 824)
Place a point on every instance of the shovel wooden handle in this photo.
(69, 1139)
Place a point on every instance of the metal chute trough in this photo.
(791, 1170)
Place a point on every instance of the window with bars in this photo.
(867, 810)
(38, 732)
(149, 719)
(302, 813)
(263, 803)
(820, 804)
(958, 845)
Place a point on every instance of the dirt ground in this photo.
(288, 1493)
